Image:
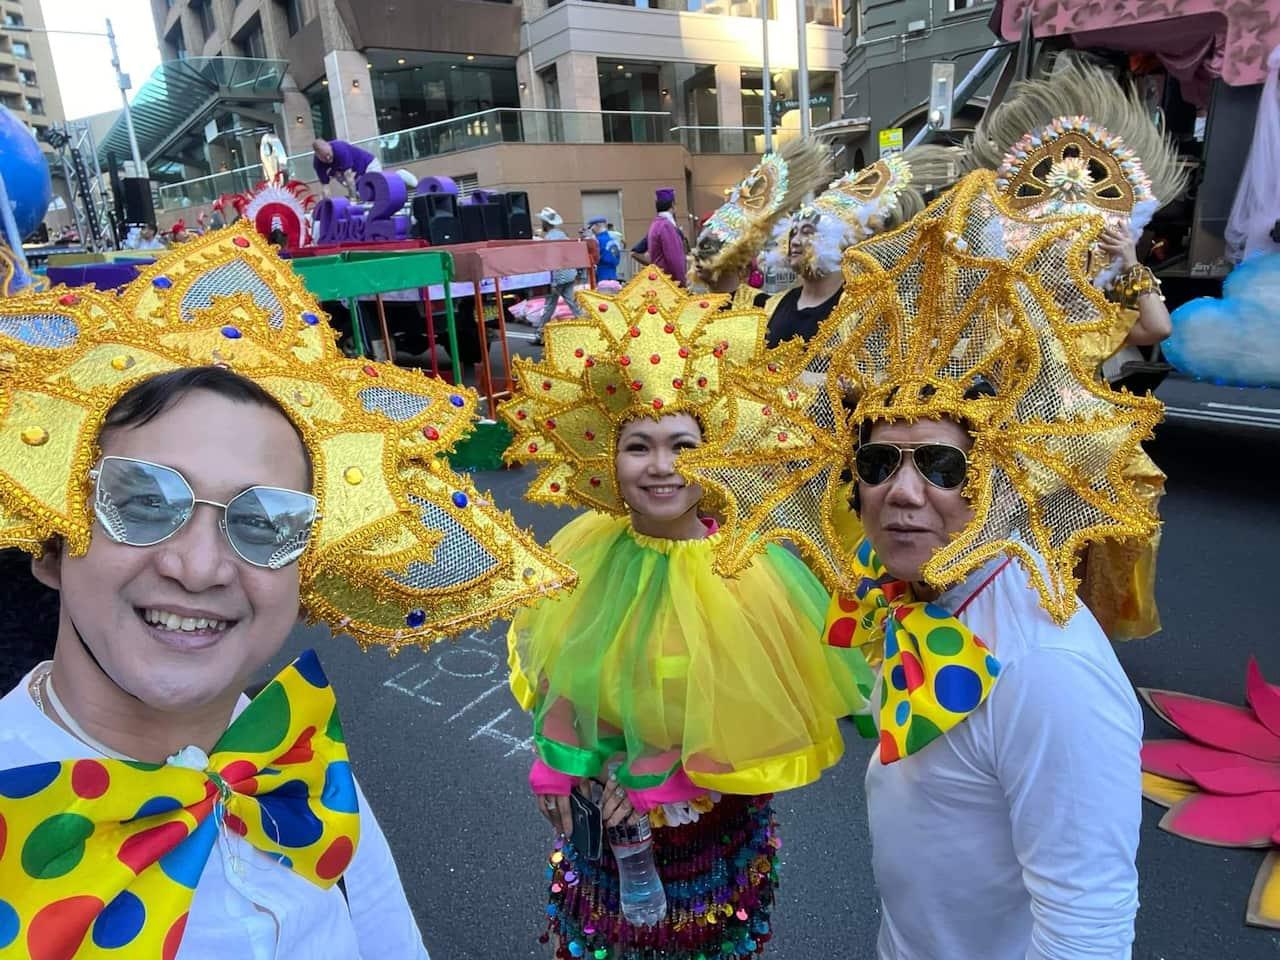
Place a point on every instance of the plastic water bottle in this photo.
(644, 902)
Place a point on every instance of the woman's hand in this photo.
(1117, 245)
(615, 805)
(556, 809)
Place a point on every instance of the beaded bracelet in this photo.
(1136, 282)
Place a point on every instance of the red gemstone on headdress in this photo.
(589, 435)
(677, 383)
(767, 411)
(589, 362)
(704, 304)
(69, 300)
(368, 368)
(652, 308)
(240, 241)
(702, 381)
(578, 353)
(603, 307)
(546, 384)
(782, 438)
(551, 424)
(610, 389)
(653, 276)
(636, 385)
(595, 481)
(773, 368)
(657, 403)
(655, 359)
(624, 361)
(792, 395)
(684, 353)
(717, 352)
(669, 328)
(533, 448)
(520, 414)
(431, 433)
(635, 331)
(555, 488)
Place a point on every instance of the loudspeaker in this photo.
(435, 218)
(481, 221)
(138, 206)
(515, 216)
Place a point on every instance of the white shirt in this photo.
(1014, 835)
(268, 912)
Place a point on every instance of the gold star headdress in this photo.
(403, 551)
(650, 350)
(929, 311)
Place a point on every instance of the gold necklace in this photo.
(37, 681)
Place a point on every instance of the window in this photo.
(176, 43)
(427, 87)
(954, 5)
(28, 78)
(784, 97)
(35, 105)
(321, 110)
(21, 49)
(825, 13)
(204, 10)
(251, 41)
(292, 10)
(13, 20)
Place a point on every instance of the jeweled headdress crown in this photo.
(404, 550)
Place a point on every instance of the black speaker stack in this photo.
(440, 219)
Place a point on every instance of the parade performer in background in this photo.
(341, 162)
(984, 449)
(738, 230)
(1076, 143)
(194, 465)
(563, 281)
(665, 245)
(656, 685)
(811, 240)
(610, 250)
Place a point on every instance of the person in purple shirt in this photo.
(666, 243)
(341, 161)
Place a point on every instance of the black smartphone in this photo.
(588, 825)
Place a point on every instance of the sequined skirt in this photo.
(719, 875)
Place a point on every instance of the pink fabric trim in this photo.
(543, 780)
(712, 526)
(677, 788)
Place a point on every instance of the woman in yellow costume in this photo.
(1080, 143)
(685, 696)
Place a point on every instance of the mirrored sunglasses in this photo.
(141, 504)
(940, 464)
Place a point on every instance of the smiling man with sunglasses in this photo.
(1004, 800)
(196, 475)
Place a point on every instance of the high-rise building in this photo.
(28, 84)
(645, 93)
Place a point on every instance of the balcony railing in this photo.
(487, 128)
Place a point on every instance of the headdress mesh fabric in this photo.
(929, 310)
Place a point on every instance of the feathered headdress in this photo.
(741, 227)
(650, 350)
(1077, 143)
(403, 550)
(928, 311)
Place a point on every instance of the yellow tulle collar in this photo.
(663, 545)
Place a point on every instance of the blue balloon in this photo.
(25, 172)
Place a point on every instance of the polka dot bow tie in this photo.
(935, 673)
(100, 858)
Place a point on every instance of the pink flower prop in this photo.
(1222, 786)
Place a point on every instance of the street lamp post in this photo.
(121, 78)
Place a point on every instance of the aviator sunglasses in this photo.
(141, 504)
(940, 464)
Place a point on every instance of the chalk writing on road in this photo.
(468, 679)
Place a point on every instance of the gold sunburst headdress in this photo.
(648, 351)
(929, 311)
(864, 202)
(741, 227)
(1077, 142)
(403, 551)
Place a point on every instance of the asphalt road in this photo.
(442, 751)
